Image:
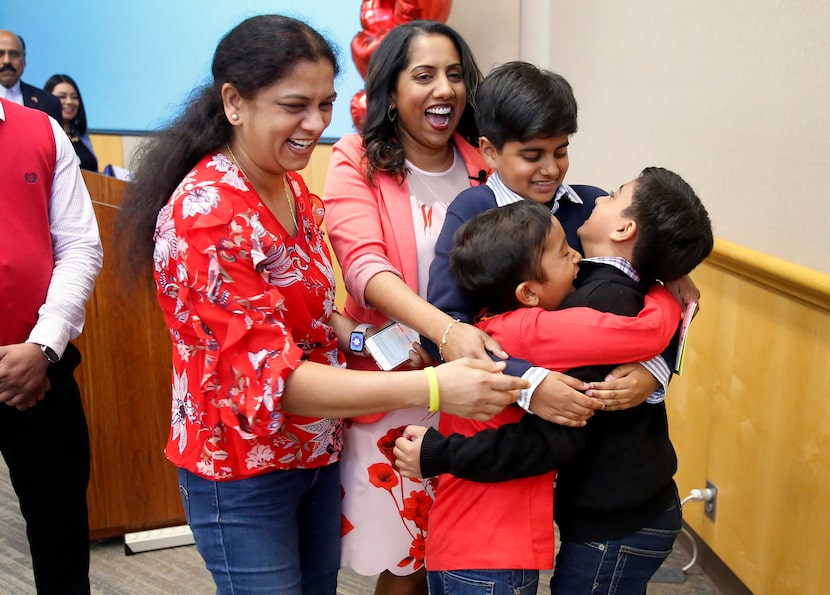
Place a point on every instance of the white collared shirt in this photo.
(505, 196)
(14, 94)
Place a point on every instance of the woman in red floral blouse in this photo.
(246, 286)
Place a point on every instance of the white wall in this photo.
(734, 96)
(490, 27)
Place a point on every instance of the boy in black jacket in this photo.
(616, 501)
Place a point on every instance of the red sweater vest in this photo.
(27, 166)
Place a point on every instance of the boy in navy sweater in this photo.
(526, 117)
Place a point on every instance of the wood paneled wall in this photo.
(108, 149)
(125, 382)
(751, 414)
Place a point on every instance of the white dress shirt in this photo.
(14, 94)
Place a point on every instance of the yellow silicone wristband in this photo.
(434, 395)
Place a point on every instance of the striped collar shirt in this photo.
(617, 262)
(505, 196)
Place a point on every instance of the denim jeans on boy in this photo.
(617, 567)
(275, 533)
(483, 582)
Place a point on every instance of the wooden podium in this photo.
(124, 378)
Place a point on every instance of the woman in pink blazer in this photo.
(386, 194)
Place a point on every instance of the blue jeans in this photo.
(275, 533)
(619, 566)
(483, 582)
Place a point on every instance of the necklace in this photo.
(286, 192)
(233, 158)
(291, 208)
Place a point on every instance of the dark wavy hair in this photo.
(256, 54)
(517, 101)
(77, 127)
(674, 232)
(384, 152)
(496, 250)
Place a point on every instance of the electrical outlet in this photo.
(710, 507)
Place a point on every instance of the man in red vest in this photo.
(50, 255)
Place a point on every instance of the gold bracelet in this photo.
(434, 395)
(443, 342)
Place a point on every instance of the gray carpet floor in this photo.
(180, 570)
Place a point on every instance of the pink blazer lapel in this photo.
(396, 202)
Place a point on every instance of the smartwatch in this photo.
(49, 354)
(357, 340)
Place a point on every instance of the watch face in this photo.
(50, 354)
(356, 342)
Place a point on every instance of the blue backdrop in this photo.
(137, 62)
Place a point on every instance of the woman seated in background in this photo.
(74, 117)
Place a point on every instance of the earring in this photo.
(234, 116)
(391, 113)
